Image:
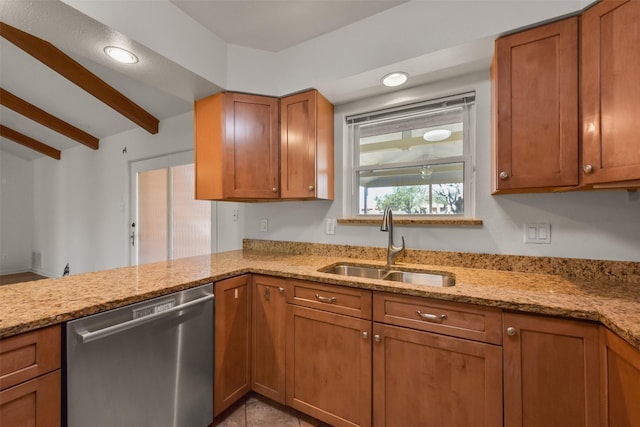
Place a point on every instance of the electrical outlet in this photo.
(264, 225)
(330, 227)
(537, 233)
(236, 215)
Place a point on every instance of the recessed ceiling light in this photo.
(437, 135)
(121, 55)
(395, 79)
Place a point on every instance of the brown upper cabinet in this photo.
(610, 55)
(239, 153)
(548, 105)
(306, 146)
(236, 147)
(535, 83)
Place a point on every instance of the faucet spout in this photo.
(387, 225)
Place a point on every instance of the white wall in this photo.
(16, 213)
(593, 224)
(82, 202)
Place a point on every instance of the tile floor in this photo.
(257, 411)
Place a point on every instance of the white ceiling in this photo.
(274, 25)
(189, 49)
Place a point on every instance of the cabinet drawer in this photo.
(336, 299)
(456, 319)
(32, 403)
(25, 356)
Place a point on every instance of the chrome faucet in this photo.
(387, 225)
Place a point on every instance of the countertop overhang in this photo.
(31, 305)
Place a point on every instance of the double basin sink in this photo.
(428, 278)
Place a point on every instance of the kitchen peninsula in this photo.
(589, 292)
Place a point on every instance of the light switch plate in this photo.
(537, 233)
(264, 225)
(330, 226)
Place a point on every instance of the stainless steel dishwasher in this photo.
(145, 364)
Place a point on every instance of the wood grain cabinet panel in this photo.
(328, 366)
(232, 367)
(30, 378)
(34, 403)
(610, 36)
(236, 147)
(550, 372)
(444, 317)
(328, 352)
(620, 381)
(535, 82)
(269, 339)
(306, 146)
(421, 378)
(336, 299)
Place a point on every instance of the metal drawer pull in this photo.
(330, 300)
(431, 317)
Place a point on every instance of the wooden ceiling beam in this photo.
(29, 142)
(38, 115)
(67, 67)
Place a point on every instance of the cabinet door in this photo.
(550, 372)
(610, 91)
(250, 149)
(620, 381)
(269, 339)
(329, 366)
(25, 356)
(306, 146)
(421, 378)
(232, 342)
(32, 403)
(535, 82)
(236, 147)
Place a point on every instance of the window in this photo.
(415, 159)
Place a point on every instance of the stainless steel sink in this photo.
(428, 278)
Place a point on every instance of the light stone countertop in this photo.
(31, 305)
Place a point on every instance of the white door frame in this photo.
(160, 162)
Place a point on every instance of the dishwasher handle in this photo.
(121, 327)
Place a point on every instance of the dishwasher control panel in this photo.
(153, 309)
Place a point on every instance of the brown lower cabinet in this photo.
(328, 363)
(421, 378)
(620, 381)
(232, 370)
(268, 337)
(30, 388)
(550, 372)
(353, 357)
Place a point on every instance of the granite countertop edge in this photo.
(32, 305)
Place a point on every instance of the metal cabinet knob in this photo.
(274, 189)
(311, 188)
(504, 175)
(281, 290)
(587, 169)
(377, 338)
(511, 331)
(365, 335)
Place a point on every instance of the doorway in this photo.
(166, 221)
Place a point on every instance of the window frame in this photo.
(465, 100)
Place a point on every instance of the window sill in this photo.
(412, 220)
